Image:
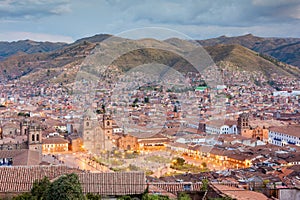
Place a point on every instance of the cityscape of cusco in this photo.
(150, 100)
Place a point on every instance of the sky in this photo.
(69, 20)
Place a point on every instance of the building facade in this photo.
(221, 127)
(55, 144)
(96, 135)
(244, 129)
(284, 135)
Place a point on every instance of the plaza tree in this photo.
(65, 187)
(40, 187)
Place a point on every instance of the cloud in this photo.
(32, 9)
(206, 12)
(14, 36)
(197, 18)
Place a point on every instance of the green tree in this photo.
(91, 196)
(124, 198)
(40, 187)
(24, 196)
(146, 100)
(136, 100)
(154, 197)
(179, 161)
(65, 187)
(203, 164)
(103, 108)
(175, 109)
(184, 196)
(204, 185)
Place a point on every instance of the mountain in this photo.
(94, 39)
(27, 46)
(283, 49)
(240, 57)
(43, 67)
(62, 65)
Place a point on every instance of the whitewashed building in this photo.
(221, 127)
(284, 135)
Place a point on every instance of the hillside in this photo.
(283, 49)
(27, 46)
(248, 60)
(94, 39)
(62, 65)
(43, 66)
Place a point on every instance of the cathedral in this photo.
(97, 135)
(247, 131)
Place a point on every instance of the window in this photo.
(37, 137)
(32, 138)
(108, 123)
(87, 123)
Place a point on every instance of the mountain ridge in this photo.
(284, 49)
(8, 49)
(57, 65)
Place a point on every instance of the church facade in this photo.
(97, 135)
(244, 129)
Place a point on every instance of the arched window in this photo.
(37, 137)
(107, 123)
(87, 123)
(32, 138)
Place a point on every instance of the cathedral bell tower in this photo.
(34, 137)
(107, 125)
(243, 123)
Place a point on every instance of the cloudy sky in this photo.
(68, 20)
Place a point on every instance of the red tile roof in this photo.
(113, 183)
(21, 178)
(21, 157)
(289, 130)
(238, 193)
(55, 140)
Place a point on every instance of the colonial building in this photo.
(244, 129)
(55, 144)
(20, 138)
(96, 134)
(34, 133)
(221, 127)
(243, 123)
(75, 143)
(155, 142)
(128, 142)
(285, 135)
(131, 142)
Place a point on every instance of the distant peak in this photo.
(249, 35)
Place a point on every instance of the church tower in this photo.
(243, 123)
(24, 127)
(107, 125)
(34, 137)
(88, 132)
